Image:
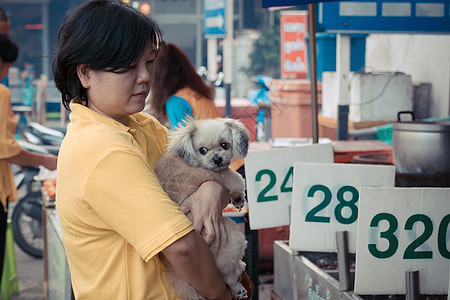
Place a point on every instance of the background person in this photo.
(5, 26)
(10, 151)
(116, 220)
(178, 91)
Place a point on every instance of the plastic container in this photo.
(326, 52)
(291, 107)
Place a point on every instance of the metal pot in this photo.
(421, 147)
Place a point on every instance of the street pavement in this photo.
(30, 273)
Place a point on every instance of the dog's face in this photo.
(211, 143)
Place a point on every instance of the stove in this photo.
(401, 179)
(422, 180)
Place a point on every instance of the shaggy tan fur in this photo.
(201, 151)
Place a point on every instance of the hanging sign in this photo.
(214, 18)
(388, 16)
(399, 230)
(269, 178)
(275, 3)
(293, 27)
(325, 200)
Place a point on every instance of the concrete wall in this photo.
(425, 57)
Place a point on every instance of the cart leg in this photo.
(412, 285)
(343, 260)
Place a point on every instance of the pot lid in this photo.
(422, 126)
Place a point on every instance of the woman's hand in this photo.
(206, 205)
(50, 162)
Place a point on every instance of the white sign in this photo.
(399, 230)
(269, 177)
(325, 200)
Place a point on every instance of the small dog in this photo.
(200, 151)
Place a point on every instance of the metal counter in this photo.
(57, 284)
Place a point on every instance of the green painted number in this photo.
(289, 175)
(272, 180)
(350, 204)
(311, 216)
(388, 235)
(442, 234)
(410, 251)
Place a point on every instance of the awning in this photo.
(272, 3)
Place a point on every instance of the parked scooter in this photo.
(27, 213)
(262, 99)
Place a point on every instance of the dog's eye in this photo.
(203, 150)
(225, 145)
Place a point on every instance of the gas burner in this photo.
(421, 180)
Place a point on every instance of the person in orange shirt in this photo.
(5, 25)
(116, 220)
(10, 150)
(178, 91)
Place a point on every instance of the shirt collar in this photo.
(84, 112)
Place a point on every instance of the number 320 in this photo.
(411, 251)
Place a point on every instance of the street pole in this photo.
(342, 73)
(212, 60)
(313, 71)
(228, 55)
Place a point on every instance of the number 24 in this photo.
(262, 196)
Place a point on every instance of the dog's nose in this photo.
(217, 160)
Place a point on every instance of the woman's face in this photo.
(118, 95)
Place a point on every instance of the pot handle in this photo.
(405, 112)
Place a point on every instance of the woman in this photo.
(10, 151)
(178, 91)
(116, 220)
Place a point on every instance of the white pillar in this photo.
(228, 43)
(343, 67)
(212, 59)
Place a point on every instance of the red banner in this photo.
(293, 27)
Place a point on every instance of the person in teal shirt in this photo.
(178, 91)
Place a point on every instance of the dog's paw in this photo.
(239, 203)
(240, 292)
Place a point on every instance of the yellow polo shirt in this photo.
(8, 146)
(115, 217)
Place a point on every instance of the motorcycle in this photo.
(27, 213)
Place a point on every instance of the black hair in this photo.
(8, 50)
(3, 15)
(106, 35)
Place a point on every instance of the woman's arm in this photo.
(193, 260)
(27, 158)
(206, 205)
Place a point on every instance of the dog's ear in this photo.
(241, 137)
(180, 141)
